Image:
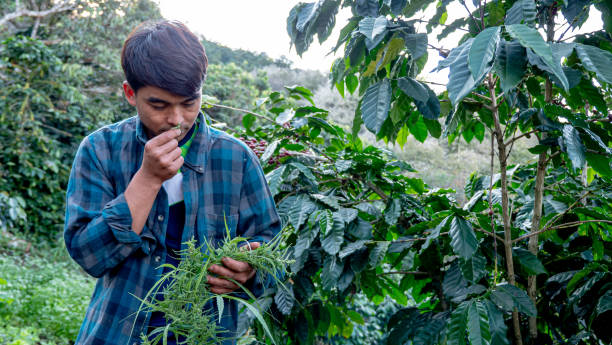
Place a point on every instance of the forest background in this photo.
(424, 220)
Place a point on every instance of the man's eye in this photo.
(189, 104)
(158, 107)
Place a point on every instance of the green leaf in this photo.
(332, 269)
(530, 263)
(530, 38)
(275, 179)
(413, 88)
(284, 299)
(350, 248)
(431, 108)
(522, 12)
(473, 269)
(304, 240)
(456, 330)
(596, 60)
(374, 30)
(510, 64)
(326, 222)
(333, 240)
(573, 145)
(463, 238)
(378, 253)
(478, 324)
(375, 105)
(247, 121)
(418, 129)
(460, 80)
(482, 52)
(509, 297)
(454, 285)
(434, 127)
(268, 152)
(605, 303)
(497, 326)
(220, 306)
(301, 210)
(416, 44)
(355, 317)
(285, 116)
(351, 83)
(599, 163)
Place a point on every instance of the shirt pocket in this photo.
(218, 226)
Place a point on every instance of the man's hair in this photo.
(164, 54)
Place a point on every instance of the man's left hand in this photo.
(233, 269)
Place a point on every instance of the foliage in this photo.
(222, 55)
(187, 294)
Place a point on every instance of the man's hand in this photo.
(162, 157)
(236, 270)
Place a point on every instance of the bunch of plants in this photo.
(190, 308)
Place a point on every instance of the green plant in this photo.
(187, 294)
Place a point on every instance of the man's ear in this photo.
(129, 93)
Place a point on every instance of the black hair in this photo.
(164, 54)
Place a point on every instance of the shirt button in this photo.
(157, 258)
(160, 217)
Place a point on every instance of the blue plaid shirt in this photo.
(221, 176)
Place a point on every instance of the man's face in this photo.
(160, 110)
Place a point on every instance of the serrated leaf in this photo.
(574, 147)
(482, 52)
(497, 326)
(284, 299)
(509, 297)
(510, 64)
(596, 60)
(522, 12)
(473, 269)
(463, 238)
(375, 105)
(457, 326)
(374, 30)
(530, 263)
(478, 324)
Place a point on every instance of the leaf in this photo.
(275, 179)
(463, 238)
(482, 52)
(522, 12)
(454, 285)
(497, 326)
(418, 129)
(598, 140)
(304, 240)
(473, 269)
(378, 253)
(391, 51)
(431, 108)
(605, 303)
(366, 8)
(301, 210)
(326, 222)
(393, 211)
(460, 80)
(596, 60)
(350, 248)
(332, 269)
(510, 64)
(285, 116)
(509, 297)
(478, 324)
(355, 317)
(416, 44)
(457, 326)
(220, 306)
(576, 11)
(284, 299)
(374, 30)
(333, 240)
(530, 263)
(530, 38)
(304, 170)
(268, 152)
(573, 145)
(351, 83)
(375, 105)
(413, 88)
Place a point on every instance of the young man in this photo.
(141, 187)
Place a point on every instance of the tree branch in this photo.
(263, 117)
(562, 226)
(61, 7)
(520, 136)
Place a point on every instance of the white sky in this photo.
(260, 26)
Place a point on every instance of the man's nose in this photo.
(175, 116)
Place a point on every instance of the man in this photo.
(141, 187)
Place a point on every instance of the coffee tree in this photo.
(527, 258)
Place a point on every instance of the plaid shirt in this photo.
(221, 176)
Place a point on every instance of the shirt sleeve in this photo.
(258, 217)
(97, 228)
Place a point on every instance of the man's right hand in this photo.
(162, 157)
(161, 160)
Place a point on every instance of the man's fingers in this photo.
(215, 282)
(165, 137)
(237, 266)
(167, 147)
(251, 245)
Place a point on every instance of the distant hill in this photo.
(220, 54)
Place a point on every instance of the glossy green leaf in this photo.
(510, 64)
(509, 297)
(416, 44)
(332, 241)
(375, 105)
(530, 38)
(474, 268)
(284, 299)
(605, 303)
(522, 12)
(482, 52)
(463, 238)
(374, 30)
(478, 324)
(573, 145)
(332, 269)
(430, 109)
(301, 210)
(460, 80)
(456, 330)
(454, 285)
(413, 88)
(596, 60)
(378, 253)
(275, 178)
(497, 326)
(530, 263)
(418, 129)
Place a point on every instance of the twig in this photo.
(559, 215)
(244, 111)
(562, 226)
(491, 212)
(469, 12)
(520, 136)
(377, 190)
(61, 7)
(483, 97)
(489, 233)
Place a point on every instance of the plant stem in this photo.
(503, 167)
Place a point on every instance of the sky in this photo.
(260, 26)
